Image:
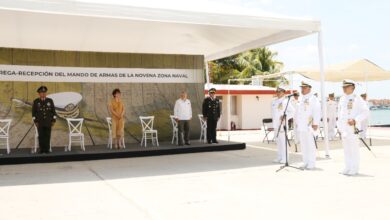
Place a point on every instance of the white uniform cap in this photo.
(348, 82)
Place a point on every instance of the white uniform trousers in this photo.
(281, 145)
(332, 128)
(296, 138)
(308, 147)
(351, 154)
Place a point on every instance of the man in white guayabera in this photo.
(183, 116)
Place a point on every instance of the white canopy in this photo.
(72, 25)
(358, 70)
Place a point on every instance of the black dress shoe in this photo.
(188, 143)
(216, 142)
(209, 142)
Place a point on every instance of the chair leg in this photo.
(142, 140)
(82, 143)
(34, 150)
(266, 137)
(263, 139)
(157, 139)
(70, 144)
(8, 149)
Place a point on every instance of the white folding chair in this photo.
(75, 126)
(5, 125)
(36, 140)
(109, 124)
(203, 129)
(147, 130)
(175, 129)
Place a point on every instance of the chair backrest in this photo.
(147, 122)
(267, 123)
(173, 120)
(203, 123)
(5, 124)
(75, 125)
(109, 123)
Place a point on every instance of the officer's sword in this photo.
(314, 137)
(20, 142)
(365, 144)
(315, 142)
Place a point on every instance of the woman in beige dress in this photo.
(117, 114)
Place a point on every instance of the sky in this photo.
(352, 30)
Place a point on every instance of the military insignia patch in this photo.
(350, 105)
(306, 103)
(280, 106)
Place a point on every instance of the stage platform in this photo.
(24, 155)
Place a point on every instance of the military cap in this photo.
(331, 94)
(212, 90)
(42, 89)
(305, 84)
(348, 82)
(296, 93)
(280, 89)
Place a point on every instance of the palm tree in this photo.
(254, 62)
(259, 61)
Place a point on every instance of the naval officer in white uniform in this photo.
(331, 107)
(352, 111)
(295, 101)
(307, 118)
(278, 106)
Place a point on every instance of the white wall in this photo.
(254, 110)
(250, 111)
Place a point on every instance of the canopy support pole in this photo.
(228, 110)
(323, 95)
(206, 64)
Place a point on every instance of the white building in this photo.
(249, 105)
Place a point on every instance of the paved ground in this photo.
(220, 185)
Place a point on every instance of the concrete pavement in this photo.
(218, 185)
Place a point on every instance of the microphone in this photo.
(289, 96)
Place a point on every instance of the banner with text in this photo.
(98, 75)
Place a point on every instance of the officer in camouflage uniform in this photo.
(211, 113)
(44, 116)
